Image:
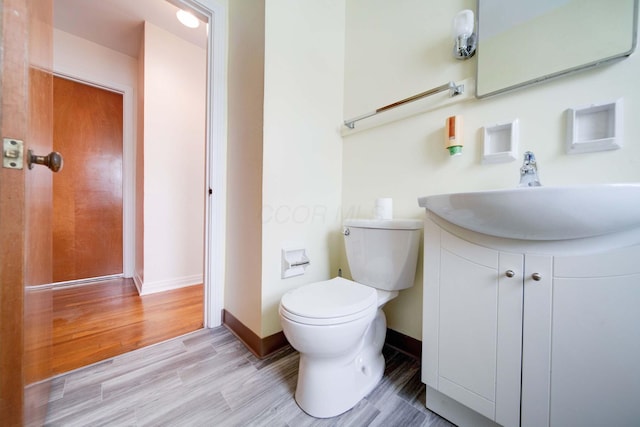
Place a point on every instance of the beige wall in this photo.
(244, 162)
(285, 106)
(303, 95)
(397, 49)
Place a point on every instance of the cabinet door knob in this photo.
(509, 273)
(536, 276)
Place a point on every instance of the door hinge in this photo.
(210, 191)
(12, 153)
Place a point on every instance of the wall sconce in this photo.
(465, 38)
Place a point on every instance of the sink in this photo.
(542, 213)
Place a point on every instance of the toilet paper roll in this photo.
(383, 208)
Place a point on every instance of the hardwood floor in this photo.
(209, 378)
(97, 321)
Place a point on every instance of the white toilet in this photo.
(338, 325)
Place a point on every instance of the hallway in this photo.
(98, 321)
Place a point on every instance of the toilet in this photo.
(338, 325)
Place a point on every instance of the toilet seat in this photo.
(329, 302)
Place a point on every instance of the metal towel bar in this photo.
(451, 87)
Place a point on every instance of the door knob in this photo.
(536, 276)
(53, 161)
(509, 273)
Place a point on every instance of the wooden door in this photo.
(25, 212)
(87, 194)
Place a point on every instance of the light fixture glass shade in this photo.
(187, 19)
(463, 23)
(463, 35)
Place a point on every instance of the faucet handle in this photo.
(529, 157)
(529, 171)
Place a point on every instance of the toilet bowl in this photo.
(338, 325)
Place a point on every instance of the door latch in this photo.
(12, 153)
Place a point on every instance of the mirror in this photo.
(521, 42)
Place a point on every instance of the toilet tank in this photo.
(383, 253)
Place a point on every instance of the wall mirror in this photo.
(521, 42)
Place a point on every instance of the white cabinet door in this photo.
(536, 341)
(473, 327)
(591, 342)
(509, 346)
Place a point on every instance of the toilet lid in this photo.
(330, 299)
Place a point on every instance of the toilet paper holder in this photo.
(294, 262)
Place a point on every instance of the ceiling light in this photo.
(187, 19)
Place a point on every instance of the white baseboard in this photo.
(147, 288)
(137, 280)
(75, 283)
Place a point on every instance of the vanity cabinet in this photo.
(523, 336)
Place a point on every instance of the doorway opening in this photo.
(214, 211)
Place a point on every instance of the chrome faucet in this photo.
(529, 171)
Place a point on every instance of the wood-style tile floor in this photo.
(97, 321)
(208, 378)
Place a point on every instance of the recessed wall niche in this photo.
(597, 127)
(500, 142)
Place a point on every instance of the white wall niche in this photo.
(597, 127)
(500, 143)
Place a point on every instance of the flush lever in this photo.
(53, 160)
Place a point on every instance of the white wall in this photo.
(397, 49)
(174, 161)
(302, 150)
(79, 57)
(138, 276)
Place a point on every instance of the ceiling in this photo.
(117, 24)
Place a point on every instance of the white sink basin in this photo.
(542, 213)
